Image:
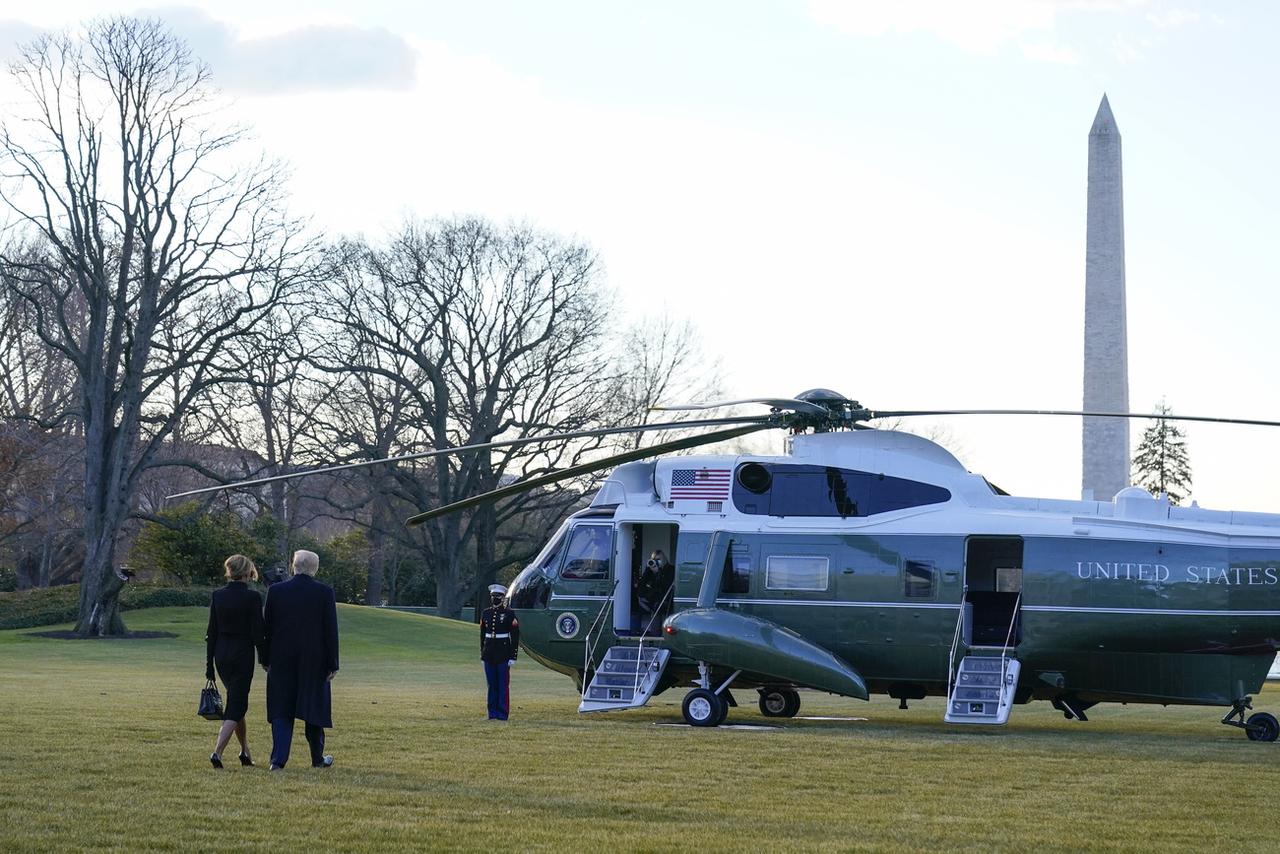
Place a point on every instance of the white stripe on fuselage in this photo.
(1064, 609)
(1059, 609)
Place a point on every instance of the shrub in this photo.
(344, 565)
(267, 533)
(191, 545)
(39, 607)
(8, 580)
(50, 605)
(137, 597)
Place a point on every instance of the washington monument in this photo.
(1106, 357)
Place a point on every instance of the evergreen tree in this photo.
(1160, 463)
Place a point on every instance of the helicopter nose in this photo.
(530, 589)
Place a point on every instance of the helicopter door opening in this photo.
(993, 588)
(645, 577)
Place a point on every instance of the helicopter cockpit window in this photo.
(919, 578)
(796, 572)
(588, 554)
(550, 557)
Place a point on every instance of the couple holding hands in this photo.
(296, 640)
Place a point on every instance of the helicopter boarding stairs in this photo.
(981, 689)
(628, 674)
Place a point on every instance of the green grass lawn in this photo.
(100, 749)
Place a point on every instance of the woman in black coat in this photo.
(235, 634)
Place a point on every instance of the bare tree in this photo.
(164, 245)
(37, 384)
(483, 332)
(272, 415)
(371, 407)
(39, 494)
(662, 361)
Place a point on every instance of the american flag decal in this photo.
(700, 484)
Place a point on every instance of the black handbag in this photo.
(210, 702)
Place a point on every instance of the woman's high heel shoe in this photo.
(215, 760)
(245, 759)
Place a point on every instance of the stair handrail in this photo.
(1004, 651)
(589, 646)
(644, 636)
(955, 645)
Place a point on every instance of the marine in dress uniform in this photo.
(499, 643)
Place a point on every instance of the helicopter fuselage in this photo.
(879, 548)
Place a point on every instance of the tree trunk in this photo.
(391, 574)
(486, 550)
(46, 560)
(280, 511)
(379, 523)
(449, 599)
(100, 593)
(28, 571)
(377, 559)
(486, 533)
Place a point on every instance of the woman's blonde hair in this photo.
(240, 568)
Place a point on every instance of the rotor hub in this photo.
(841, 412)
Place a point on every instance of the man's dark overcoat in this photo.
(301, 648)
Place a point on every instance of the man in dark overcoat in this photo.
(300, 654)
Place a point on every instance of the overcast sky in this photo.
(887, 199)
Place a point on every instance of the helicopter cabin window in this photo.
(804, 490)
(796, 572)
(919, 578)
(588, 553)
(737, 574)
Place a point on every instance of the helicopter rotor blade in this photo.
(587, 468)
(763, 421)
(774, 402)
(908, 413)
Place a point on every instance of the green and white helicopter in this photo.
(870, 561)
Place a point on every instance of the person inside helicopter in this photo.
(654, 590)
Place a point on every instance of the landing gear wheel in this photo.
(724, 710)
(1263, 727)
(774, 702)
(793, 703)
(702, 707)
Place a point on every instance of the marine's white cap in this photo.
(497, 588)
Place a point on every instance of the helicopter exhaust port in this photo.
(755, 478)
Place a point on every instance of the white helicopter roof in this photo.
(700, 486)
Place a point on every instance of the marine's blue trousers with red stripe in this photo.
(499, 675)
